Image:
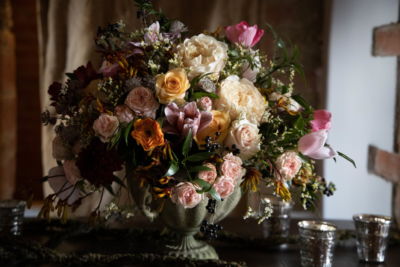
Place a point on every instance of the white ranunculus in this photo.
(202, 54)
(240, 96)
(245, 136)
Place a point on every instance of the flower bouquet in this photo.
(191, 121)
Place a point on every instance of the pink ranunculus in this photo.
(72, 172)
(321, 121)
(205, 103)
(224, 186)
(186, 195)
(313, 145)
(244, 34)
(288, 165)
(180, 120)
(61, 186)
(124, 114)
(109, 69)
(105, 126)
(143, 102)
(232, 167)
(210, 175)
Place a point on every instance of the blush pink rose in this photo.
(210, 175)
(313, 145)
(205, 103)
(124, 114)
(71, 171)
(288, 165)
(186, 195)
(143, 102)
(224, 186)
(105, 126)
(244, 34)
(321, 121)
(61, 186)
(232, 167)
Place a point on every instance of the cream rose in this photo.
(142, 101)
(224, 186)
(240, 96)
(210, 175)
(245, 136)
(288, 164)
(105, 126)
(172, 85)
(202, 54)
(186, 195)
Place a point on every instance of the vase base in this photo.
(189, 247)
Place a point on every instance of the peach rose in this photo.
(239, 96)
(232, 167)
(245, 136)
(172, 85)
(224, 186)
(124, 113)
(186, 195)
(210, 175)
(288, 165)
(105, 126)
(142, 101)
(220, 123)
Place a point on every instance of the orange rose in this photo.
(147, 132)
(220, 123)
(172, 85)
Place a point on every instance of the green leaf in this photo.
(205, 187)
(127, 132)
(199, 168)
(199, 156)
(300, 123)
(198, 95)
(187, 144)
(347, 158)
(173, 168)
(303, 103)
(214, 194)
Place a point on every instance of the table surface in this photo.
(344, 256)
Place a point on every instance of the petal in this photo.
(325, 152)
(205, 119)
(312, 142)
(257, 37)
(246, 37)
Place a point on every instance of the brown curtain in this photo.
(67, 29)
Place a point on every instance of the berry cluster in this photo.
(210, 230)
(329, 189)
(210, 145)
(211, 205)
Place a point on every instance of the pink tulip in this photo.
(313, 145)
(244, 34)
(321, 121)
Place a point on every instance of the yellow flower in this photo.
(147, 132)
(172, 85)
(219, 124)
(251, 179)
(282, 191)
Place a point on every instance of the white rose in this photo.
(238, 96)
(202, 54)
(245, 136)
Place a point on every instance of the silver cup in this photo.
(372, 232)
(278, 224)
(11, 216)
(317, 242)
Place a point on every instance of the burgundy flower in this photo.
(180, 120)
(54, 92)
(86, 74)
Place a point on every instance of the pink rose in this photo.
(124, 113)
(71, 171)
(288, 165)
(105, 126)
(109, 69)
(142, 101)
(313, 145)
(61, 186)
(321, 121)
(180, 120)
(205, 103)
(232, 167)
(224, 186)
(210, 175)
(244, 34)
(186, 195)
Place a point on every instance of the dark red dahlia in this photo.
(97, 163)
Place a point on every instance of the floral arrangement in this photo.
(193, 117)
